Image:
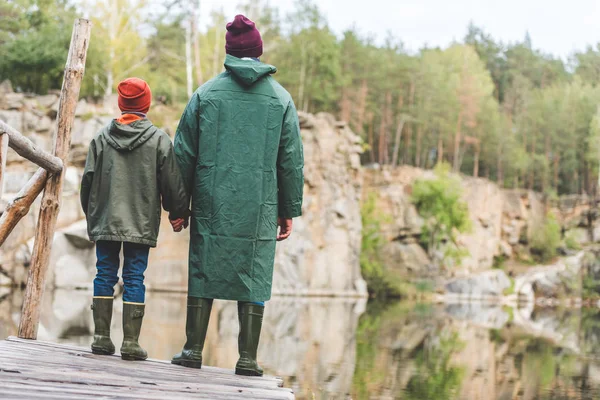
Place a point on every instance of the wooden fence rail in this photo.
(26, 149)
(19, 207)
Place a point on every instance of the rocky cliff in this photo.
(503, 221)
(329, 230)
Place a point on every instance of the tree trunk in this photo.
(26, 149)
(197, 64)
(19, 207)
(397, 142)
(371, 138)
(216, 52)
(188, 58)
(457, 139)
(556, 171)
(51, 200)
(476, 161)
(362, 107)
(385, 122)
(418, 146)
(345, 106)
(440, 147)
(302, 80)
(3, 154)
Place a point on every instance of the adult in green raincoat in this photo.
(239, 149)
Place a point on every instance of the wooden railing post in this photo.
(51, 199)
(3, 150)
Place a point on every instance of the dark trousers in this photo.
(134, 265)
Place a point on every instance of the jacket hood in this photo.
(127, 137)
(248, 72)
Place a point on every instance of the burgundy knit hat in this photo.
(134, 95)
(243, 39)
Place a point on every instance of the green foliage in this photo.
(34, 41)
(436, 377)
(546, 239)
(571, 241)
(439, 202)
(371, 263)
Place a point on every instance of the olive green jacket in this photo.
(239, 149)
(128, 171)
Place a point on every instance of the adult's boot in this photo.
(250, 317)
(133, 316)
(102, 308)
(196, 326)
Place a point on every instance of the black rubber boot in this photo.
(102, 308)
(133, 316)
(250, 317)
(196, 326)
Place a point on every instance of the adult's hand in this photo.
(285, 228)
(179, 224)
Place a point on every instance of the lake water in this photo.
(348, 349)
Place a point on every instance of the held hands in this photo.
(179, 224)
(285, 228)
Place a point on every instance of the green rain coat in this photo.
(239, 149)
(129, 168)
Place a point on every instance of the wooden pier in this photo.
(41, 370)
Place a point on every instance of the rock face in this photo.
(489, 216)
(479, 286)
(559, 280)
(329, 230)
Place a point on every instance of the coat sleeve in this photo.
(175, 199)
(290, 165)
(186, 142)
(88, 177)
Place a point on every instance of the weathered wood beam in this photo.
(44, 235)
(26, 149)
(19, 207)
(3, 150)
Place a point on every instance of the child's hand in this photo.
(179, 224)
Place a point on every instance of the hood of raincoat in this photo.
(248, 71)
(127, 137)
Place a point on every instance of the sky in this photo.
(559, 27)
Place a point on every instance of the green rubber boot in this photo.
(133, 315)
(196, 326)
(250, 317)
(102, 308)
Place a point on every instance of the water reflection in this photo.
(333, 349)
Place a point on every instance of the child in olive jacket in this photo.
(130, 169)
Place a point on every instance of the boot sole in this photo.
(191, 364)
(247, 372)
(102, 352)
(133, 358)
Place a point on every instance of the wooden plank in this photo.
(158, 366)
(74, 69)
(19, 207)
(3, 150)
(26, 149)
(41, 370)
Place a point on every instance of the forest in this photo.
(504, 111)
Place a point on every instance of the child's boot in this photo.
(102, 308)
(133, 315)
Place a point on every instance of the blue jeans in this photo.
(134, 266)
